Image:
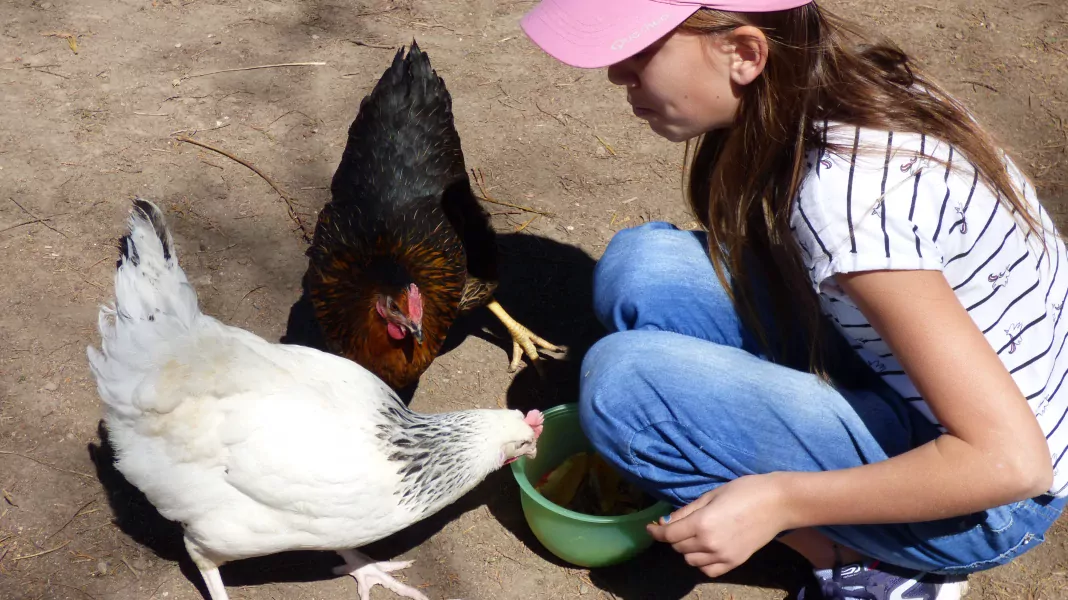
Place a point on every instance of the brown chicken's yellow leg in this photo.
(521, 338)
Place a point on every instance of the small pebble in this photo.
(46, 5)
(177, 45)
(315, 36)
(51, 386)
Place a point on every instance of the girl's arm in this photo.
(993, 452)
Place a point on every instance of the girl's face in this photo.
(687, 84)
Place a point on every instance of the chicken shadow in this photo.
(547, 286)
(136, 517)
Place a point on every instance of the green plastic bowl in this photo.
(580, 539)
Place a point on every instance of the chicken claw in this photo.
(521, 338)
(367, 573)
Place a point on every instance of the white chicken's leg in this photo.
(367, 573)
(209, 571)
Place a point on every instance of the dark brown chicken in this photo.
(404, 246)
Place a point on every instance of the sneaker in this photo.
(866, 581)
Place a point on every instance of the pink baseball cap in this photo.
(596, 33)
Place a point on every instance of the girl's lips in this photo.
(642, 112)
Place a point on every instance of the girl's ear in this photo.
(749, 54)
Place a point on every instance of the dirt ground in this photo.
(89, 121)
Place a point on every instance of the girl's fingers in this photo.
(701, 560)
(676, 527)
(689, 545)
(685, 511)
(716, 569)
(675, 531)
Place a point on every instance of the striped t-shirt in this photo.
(887, 205)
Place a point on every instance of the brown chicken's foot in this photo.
(521, 338)
(367, 573)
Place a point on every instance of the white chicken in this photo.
(257, 447)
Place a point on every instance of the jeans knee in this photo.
(638, 263)
(607, 412)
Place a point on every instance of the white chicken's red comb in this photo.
(536, 420)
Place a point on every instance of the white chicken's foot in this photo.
(367, 573)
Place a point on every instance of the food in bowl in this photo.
(586, 483)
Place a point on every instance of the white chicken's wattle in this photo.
(258, 448)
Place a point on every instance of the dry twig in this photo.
(39, 219)
(31, 222)
(557, 117)
(980, 84)
(480, 182)
(50, 466)
(77, 514)
(370, 45)
(524, 225)
(42, 552)
(285, 197)
(300, 64)
(238, 307)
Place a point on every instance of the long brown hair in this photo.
(743, 179)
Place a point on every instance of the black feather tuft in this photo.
(127, 250)
(154, 215)
(151, 213)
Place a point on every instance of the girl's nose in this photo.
(621, 73)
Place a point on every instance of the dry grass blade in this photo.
(249, 293)
(30, 222)
(42, 552)
(44, 464)
(606, 145)
(72, 40)
(36, 218)
(299, 64)
(285, 197)
(77, 514)
(479, 180)
(524, 225)
(980, 84)
(370, 45)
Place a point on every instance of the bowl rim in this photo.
(520, 473)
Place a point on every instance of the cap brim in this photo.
(591, 34)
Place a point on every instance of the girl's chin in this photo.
(669, 133)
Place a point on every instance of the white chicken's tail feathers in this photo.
(154, 304)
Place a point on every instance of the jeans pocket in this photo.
(1023, 543)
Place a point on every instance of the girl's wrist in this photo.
(785, 492)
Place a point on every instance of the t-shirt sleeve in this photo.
(879, 206)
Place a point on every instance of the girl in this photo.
(836, 184)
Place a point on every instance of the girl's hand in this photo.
(723, 528)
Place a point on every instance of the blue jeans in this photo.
(680, 398)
